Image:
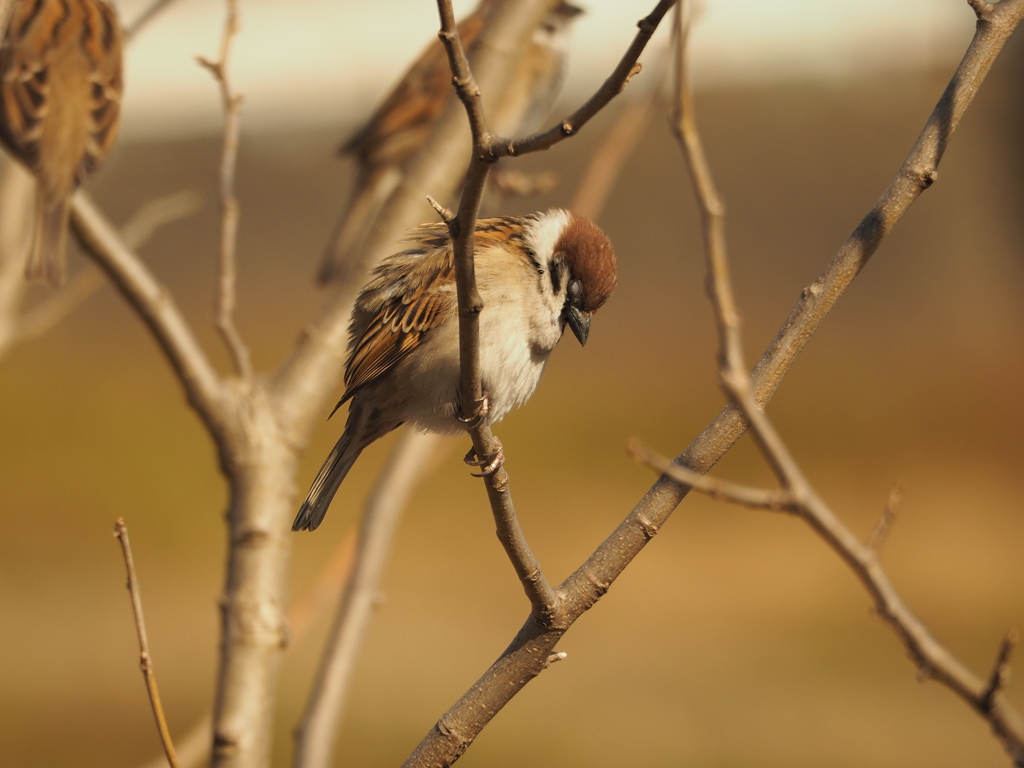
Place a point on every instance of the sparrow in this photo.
(536, 274)
(386, 144)
(60, 105)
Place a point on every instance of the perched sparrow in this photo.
(389, 140)
(536, 274)
(60, 101)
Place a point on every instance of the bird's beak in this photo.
(580, 324)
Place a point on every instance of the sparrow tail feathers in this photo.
(337, 465)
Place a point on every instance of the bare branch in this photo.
(155, 306)
(145, 660)
(229, 202)
(745, 495)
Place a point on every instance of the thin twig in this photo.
(316, 735)
(145, 660)
(745, 495)
(229, 201)
(627, 67)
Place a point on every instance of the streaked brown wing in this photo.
(419, 294)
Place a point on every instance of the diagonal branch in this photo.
(612, 87)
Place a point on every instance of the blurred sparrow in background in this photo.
(536, 274)
(60, 101)
(390, 139)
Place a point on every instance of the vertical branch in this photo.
(712, 208)
(145, 661)
(225, 304)
(462, 227)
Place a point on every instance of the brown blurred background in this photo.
(736, 638)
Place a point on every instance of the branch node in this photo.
(982, 9)
(647, 527)
(885, 522)
(557, 656)
(636, 70)
(445, 213)
(1000, 672)
(811, 291)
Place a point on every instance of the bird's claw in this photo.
(474, 421)
(487, 466)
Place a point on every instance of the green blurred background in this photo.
(735, 638)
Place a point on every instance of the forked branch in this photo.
(225, 304)
(797, 494)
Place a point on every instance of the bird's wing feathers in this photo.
(413, 292)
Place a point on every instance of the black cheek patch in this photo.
(556, 278)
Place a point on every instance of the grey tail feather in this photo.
(47, 260)
(328, 479)
(355, 223)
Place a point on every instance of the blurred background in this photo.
(736, 637)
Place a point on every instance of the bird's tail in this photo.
(355, 223)
(46, 260)
(339, 462)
